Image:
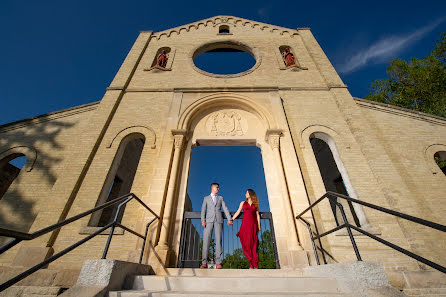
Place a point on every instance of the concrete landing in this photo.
(290, 272)
(238, 285)
(227, 285)
(213, 294)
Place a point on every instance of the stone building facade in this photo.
(138, 138)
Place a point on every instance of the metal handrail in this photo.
(332, 197)
(20, 236)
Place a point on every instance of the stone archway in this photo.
(229, 119)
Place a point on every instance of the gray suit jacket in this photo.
(211, 212)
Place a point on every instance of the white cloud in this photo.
(386, 48)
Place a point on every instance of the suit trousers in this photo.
(207, 235)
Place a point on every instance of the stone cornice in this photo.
(49, 116)
(400, 111)
(230, 89)
(226, 19)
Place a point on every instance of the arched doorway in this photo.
(235, 168)
(332, 177)
(227, 119)
(335, 177)
(120, 178)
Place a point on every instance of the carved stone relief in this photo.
(226, 123)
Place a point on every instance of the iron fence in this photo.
(191, 243)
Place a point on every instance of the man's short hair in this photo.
(215, 184)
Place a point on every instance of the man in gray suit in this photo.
(211, 218)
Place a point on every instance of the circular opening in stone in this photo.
(224, 59)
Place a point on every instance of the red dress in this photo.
(248, 233)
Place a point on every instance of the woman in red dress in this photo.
(250, 227)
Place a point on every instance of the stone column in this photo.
(163, 244)
(273, 137)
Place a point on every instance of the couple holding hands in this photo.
(212, 219)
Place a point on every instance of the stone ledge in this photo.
(158, 68)
(399, 110)
(90, 230)
(294, 67)
(371, 229)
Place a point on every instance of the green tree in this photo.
(419, 84)
(211, 251)
(237, 259)
(266, 251)
(441, 163)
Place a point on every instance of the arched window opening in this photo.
(440, 159)
(332, 178)
(120, 180)
(9, 170)
(223, 29)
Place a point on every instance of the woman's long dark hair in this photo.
(254, 198)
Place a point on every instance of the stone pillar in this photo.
(273, 137)
(162, 248)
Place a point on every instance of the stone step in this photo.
(235, 272)
(34, 291)
(229, 284)
(146, 293)
(37, 295)
(426, 292)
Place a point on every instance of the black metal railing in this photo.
(332, 196)
(192, 241)
(21, 236)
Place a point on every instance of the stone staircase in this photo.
(238, 283)
(43, 283)
(114, 278)
(229, 282)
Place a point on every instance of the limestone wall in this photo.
(46, 141)
(136, 114)
(411, 140)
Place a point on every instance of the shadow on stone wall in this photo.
(18, 205)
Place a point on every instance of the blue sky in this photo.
(59, 54)
(236, 169)
(224, 62)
